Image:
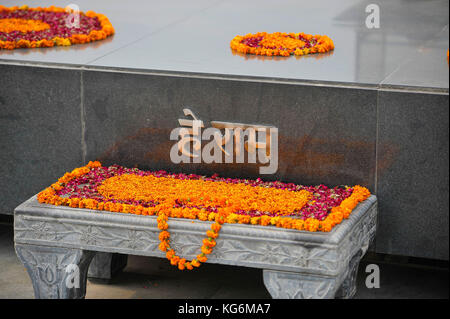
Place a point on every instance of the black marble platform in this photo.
(372, 112)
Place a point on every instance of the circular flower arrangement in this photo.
(284, 44)
(216, 199)
(23, 27)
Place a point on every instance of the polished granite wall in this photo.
(40, 130)
(412, 173)
(393, 141)
(326, 134)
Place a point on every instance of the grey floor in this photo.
(147, 277)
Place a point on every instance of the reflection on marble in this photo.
(194, 36)
(428, 68)
(131, 20)
(365, 56)
(326, 135)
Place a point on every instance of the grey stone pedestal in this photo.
(293, 285)
(52, 241)
(56, 272)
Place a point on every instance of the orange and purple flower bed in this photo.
(116, 188)
(222, 200)
(282, 44)
(23, 27)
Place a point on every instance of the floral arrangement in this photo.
(221, 200)
(24, 27)
(284, 44)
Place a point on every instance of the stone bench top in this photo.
(33, 210)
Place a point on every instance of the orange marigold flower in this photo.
(265, 220)
(163, 246)
(326, 226)
(94, 164)
(311, 224)
(206, 250)
(216, 227)
(170, 254)
(195, 263)
(164, 235)
(212, 234)
(181, 264)
(174, 260)
(163, 226)
(209, 243)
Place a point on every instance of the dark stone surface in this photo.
(326, 135)
(200, 44)
(194, 37)
(413, 174)
(427, 68)
(131, 21)
(40, 130)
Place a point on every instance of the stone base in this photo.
(292, 285)
(56, 272)
(53, 242)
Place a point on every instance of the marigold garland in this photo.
(283, 44)
(24, 27)
(183, 202)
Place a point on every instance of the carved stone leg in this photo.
(290, 285)
(347, 290)
(105, 265)
(56, 272)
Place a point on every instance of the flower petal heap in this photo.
(203, 194)
(23, 27)
(221, 200)
(282, 44)
(258, 202)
